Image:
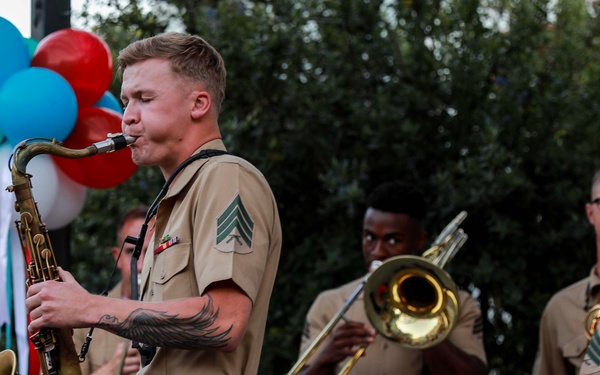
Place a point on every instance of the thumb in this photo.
(66, 276)
(119, 350)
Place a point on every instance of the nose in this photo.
(131, 116)
(378, 251)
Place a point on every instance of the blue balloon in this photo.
(14, 54)
(108, 100)
(37, 102)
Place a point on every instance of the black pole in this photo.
(48, 16)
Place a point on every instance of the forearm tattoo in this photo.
(157, 328)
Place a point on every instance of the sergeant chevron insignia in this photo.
(235, 228)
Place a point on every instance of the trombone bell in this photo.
(411, 301)
(8, 362)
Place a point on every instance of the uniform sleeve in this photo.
(234, 226)
(549, 359)
(468, 333)
(318, 316)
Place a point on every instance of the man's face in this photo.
(157, 109)
(130, 228)
(593, 210)
(387, 234)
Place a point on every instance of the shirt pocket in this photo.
(171, 273)
(574, 350)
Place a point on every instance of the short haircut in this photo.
(190, 57)
(398, 197)
(138, 212)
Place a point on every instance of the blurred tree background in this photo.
(489, 105)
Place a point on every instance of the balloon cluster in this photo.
(58, 88)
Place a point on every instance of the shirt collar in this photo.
(594, 279)
(187, 173)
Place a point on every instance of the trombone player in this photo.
(392, 226)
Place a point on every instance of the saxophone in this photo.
(55, 347)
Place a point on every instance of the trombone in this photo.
(409, 300)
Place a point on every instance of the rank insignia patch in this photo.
(235, 228)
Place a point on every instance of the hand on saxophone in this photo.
(57, 304)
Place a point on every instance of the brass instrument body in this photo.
(8, 363)
(55, 347)
(591, 321)
(411, 302)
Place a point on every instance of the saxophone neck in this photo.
(29, 148)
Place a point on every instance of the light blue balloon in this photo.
(37, 102)
(14, 54)
(108, 100)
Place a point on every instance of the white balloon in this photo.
(68, 203)
(44, 183)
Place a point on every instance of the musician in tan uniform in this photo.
(110, 354)
(562, 340)
(392, 226)
(209, 272)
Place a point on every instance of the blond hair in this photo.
(190, 56)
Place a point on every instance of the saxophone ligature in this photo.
(55, 347)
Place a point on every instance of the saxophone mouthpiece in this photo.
(114, 142)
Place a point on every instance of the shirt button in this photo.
(152, 292)
(162, 275)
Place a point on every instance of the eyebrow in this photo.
(135, 94)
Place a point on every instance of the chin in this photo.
(139, 159)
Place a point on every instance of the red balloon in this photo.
(82, 58)
(98, 171)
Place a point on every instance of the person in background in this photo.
(392, 226)
(562, 341)
(209, 273)
(110, 354)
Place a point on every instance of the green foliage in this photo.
(488, 106)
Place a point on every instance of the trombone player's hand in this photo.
(343, 343)
(121, 363)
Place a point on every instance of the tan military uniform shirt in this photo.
(562, 341)
(223, 214)
(384, 357)
(103, 344)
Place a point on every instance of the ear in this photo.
(202, 104)
(115, 252)
(589, 211)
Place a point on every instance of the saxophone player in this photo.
(110, 354)
(211, 264)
